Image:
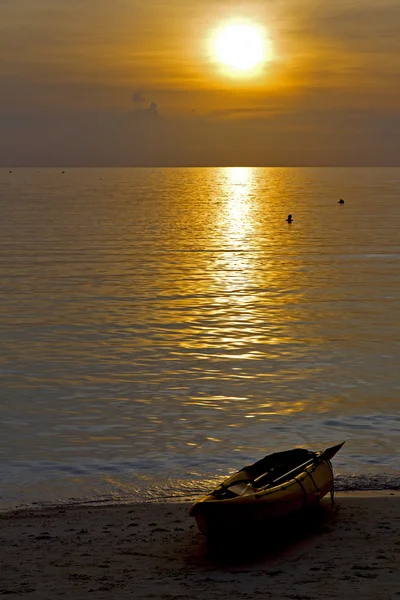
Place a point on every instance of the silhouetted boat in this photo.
(278, 485)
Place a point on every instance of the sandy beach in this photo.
(153, 550)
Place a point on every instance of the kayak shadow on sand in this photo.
(233, 547)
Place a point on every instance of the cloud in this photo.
(365, 27)
(241, 112)
(149, 114)
(143, 138)
(153, 109)
(138, 98)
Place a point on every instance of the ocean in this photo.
(160, 328)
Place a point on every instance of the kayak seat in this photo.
(224, 491)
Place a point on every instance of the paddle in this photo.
(328, 454)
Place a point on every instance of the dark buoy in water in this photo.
(341, 201)
(289, 219)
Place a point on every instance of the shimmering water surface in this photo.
(161, 327)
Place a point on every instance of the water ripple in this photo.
(170, 320)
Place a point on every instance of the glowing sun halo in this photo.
(241, 47)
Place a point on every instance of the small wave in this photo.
(382, 481)
(188, 491)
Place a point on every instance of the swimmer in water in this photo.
(289, 219)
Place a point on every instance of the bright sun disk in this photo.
(241, 47)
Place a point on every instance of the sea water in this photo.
(160, 328)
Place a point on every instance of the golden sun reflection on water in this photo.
(239, 185)
(244, 271)
(235, 226)
(249, 331)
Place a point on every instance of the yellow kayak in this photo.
(278, 485)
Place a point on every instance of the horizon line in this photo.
(197, 166)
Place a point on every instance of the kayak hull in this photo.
(256, 506)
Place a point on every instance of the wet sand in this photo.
(154, 550)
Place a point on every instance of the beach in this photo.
(154, 550)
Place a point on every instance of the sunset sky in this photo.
(129, 82)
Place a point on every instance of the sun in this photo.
(241, 47)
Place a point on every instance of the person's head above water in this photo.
(289, 219)
(341, 201)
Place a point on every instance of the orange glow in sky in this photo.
(201, 83)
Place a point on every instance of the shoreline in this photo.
(154, 550)
(37, 507)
